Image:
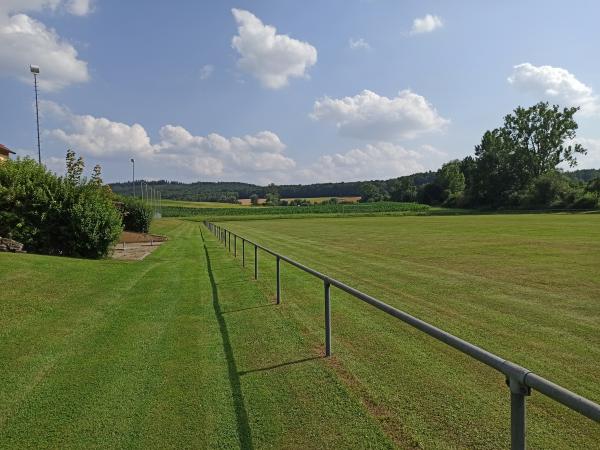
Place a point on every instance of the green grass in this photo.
(180, 350)
(339, 209)
(523, 286)
(185, 350)
(188, 204)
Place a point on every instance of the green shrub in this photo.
(586, 201)
(55, 215)
(137, 216)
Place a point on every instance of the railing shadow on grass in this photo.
(277, 366)
(243, 425)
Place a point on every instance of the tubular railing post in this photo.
(235, 245)
(255, 262)
(230, 242)
(278, 281)
(518, 391)
(243, 252)
(327, 287)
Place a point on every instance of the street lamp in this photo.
(133, 175)
(35, 70)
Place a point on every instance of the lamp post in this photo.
(133, 175)
(35, 70)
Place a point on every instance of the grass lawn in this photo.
(526, 287)
(180, 350)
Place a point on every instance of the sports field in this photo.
(184, 349)
(526, 287)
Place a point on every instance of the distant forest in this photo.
(231, 192)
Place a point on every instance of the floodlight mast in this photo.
(35, 70)
(133, 175)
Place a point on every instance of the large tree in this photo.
(542, 137)
(532, 142)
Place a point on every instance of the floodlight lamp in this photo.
(34, 69)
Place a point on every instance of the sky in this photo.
(287, 91)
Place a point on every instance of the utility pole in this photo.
(133, 175)
(35, 70)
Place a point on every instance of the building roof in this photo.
(4, 148)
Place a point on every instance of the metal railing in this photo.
(519, 380)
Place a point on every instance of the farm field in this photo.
(523, 286)
(314, 200)
(188, 204)
(296, 211)
(176, 351)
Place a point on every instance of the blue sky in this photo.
(287, 91)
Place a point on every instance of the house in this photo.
(5, 152)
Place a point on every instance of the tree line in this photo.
(514, 166)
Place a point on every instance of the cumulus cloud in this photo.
(374, 161)
(379, 118)
(206, 71)
(212, 155)
(554, 84)
(96, 136)
(592, 159)
(426, 24)
(270, 57)
(359, 44)
(28, 41)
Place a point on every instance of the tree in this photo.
(541, 137)
(403, 190)
(97, 175)
(532, 142)
(593, 187)
(451, 179)
(370, 192)
(74, 167)
(272, 195)
(254, 199)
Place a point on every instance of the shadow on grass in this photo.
(243, 426)
(246, 309)
(289, 363)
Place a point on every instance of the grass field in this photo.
(523, 286)
(176, 351)
(184, 350)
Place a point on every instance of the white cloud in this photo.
(270, 57)
(374, 117)
(27, 41)
(375, 161)
(554, 84)
(206, 71)
(79, 7)
(260, 154)
(358, 44)
(426, 24)
(592, 159)
(97, 136)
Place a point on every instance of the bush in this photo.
(137, 216)
(586, 201)
(55, 215)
